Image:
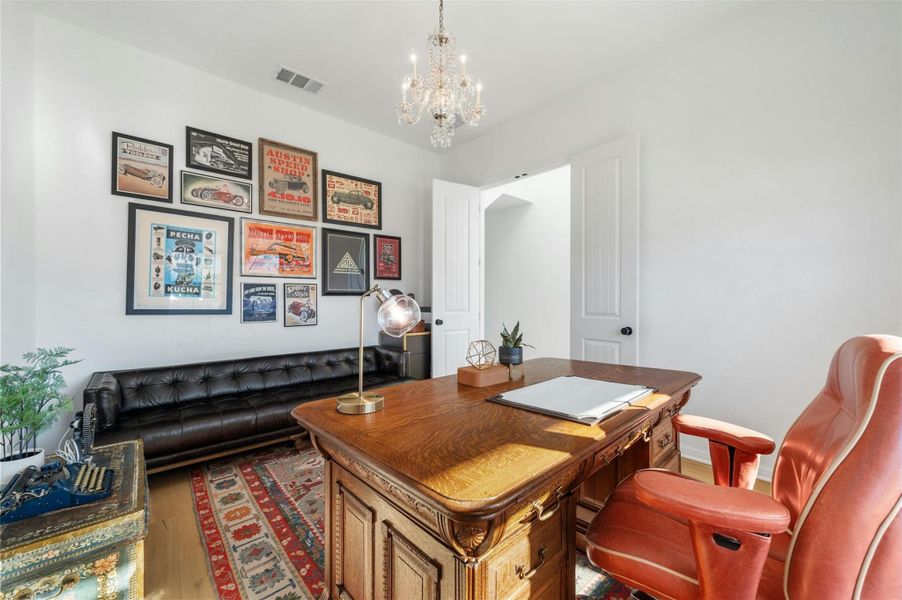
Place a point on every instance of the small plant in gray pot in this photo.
(511, 350)
(31, 399)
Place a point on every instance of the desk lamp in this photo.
(397, 315)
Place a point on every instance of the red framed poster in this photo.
(386, 256)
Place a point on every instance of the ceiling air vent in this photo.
(292, 77)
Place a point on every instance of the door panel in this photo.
(354, 537)
(604, 264)
(455, 274)
(409, 573)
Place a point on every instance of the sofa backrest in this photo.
(166, 386)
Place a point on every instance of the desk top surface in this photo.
(448, 442)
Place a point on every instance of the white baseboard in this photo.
(765, 471)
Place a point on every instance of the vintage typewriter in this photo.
(58, 485)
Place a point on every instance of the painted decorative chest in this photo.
(90, 551)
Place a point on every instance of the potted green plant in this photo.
(511, 350)
(31, 399)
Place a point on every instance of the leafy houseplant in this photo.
(31, 399)
(511, 350)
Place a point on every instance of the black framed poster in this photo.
(350, 200)
(216, 192)
(258, 302)
(141, 168)
(346, 259)
(300, 304)
(217, 153)
(179, 262)
(386, 256)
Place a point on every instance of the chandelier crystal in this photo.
(444, 94)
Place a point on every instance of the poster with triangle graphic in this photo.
(346, 260)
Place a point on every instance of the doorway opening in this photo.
(525, 264)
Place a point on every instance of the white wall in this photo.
(87, 86)
(770, 186)
(17, 197)
(527, 263)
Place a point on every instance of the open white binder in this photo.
(578, 399)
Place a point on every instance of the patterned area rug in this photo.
(260, 516)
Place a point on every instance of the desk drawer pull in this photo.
(665, 441)
(522, 573)
(68, 582)
(543, 513)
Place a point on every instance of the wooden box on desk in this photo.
(95, 550)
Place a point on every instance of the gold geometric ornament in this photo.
(481, 354)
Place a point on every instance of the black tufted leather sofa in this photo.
(186, 412)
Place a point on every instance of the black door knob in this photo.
(627, 331)
(438, 321)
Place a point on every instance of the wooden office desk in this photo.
(444, 495)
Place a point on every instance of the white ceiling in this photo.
(526, 54)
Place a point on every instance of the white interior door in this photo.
(455, 274)
(604, 253)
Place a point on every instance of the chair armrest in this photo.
(728, 434)
(392, 361)
(727, 507)
(104, 392)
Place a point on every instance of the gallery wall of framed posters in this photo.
(287, 181)
(179, 262)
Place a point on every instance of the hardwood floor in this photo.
(175, 565)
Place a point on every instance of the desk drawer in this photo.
(528, 556)
(663, 440)
(546, 583)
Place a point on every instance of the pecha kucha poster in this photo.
(178, 262)
(270, 249)
(287, 181)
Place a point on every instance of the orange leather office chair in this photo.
(832, 529)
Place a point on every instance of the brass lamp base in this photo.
(356, 403)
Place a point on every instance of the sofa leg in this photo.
(301, 441)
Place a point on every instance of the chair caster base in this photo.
(640, 595)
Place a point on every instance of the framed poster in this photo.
(270, 249)
(386, 256)
(258, 302)
(349, 200)
(346, 257)
(141, 168)
(216, 192)
(217, 153)
(179, 262)
(300, 304)
(287, 181)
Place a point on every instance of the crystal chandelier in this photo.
(444, 94)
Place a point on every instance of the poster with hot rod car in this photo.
(270, 249)
(217, 153)
(386, 256)
(141, 168)
(215, 192)
(300, 304)
(287, 181)
(179, 262)
(258, 302)
(349, 200)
